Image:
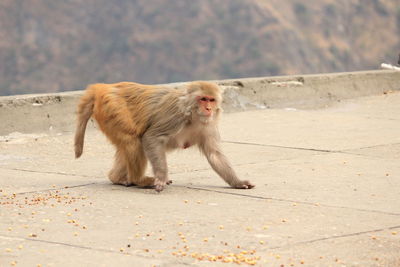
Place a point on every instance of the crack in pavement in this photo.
(272, 248)
(344, 151)
(285, 147)
(336, 237)
(55, 189)
(374, 146)
(67, 245)
(233, 194)
(50, 172)
(203, 189)
(215, 191)
(291, 201)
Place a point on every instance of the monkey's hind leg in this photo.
(119, 173)
(136, 165)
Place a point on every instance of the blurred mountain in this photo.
(50, 46)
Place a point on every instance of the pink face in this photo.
(207, 105)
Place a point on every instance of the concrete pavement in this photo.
(327, 194)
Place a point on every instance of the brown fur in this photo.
(145, 121)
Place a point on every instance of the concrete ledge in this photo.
(306, 91)
(56, 112)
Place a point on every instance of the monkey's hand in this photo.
(244, 185)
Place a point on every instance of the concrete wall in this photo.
(54, 113)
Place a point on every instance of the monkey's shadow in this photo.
(172, 187)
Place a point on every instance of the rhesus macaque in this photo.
(145, 121)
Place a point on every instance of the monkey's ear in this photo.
(191, 88)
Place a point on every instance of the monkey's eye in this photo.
(212, 99)
(203, 99)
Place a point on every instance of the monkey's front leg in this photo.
(155, 152)
(221, 165)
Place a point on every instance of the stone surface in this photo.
(327, 194)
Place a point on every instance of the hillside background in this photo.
(51, 46)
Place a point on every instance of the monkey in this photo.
(144, 122)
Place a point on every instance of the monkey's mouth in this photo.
(203, 114)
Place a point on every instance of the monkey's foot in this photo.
(159, 185)
(146, 182)
(244, 185)
(124, 183)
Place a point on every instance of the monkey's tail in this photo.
(85, 111)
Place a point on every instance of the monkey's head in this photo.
(206, 100)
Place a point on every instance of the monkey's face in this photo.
(207, 105)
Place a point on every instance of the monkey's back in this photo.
(121, 109)
(125, 110)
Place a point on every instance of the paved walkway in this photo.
(327, 194)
